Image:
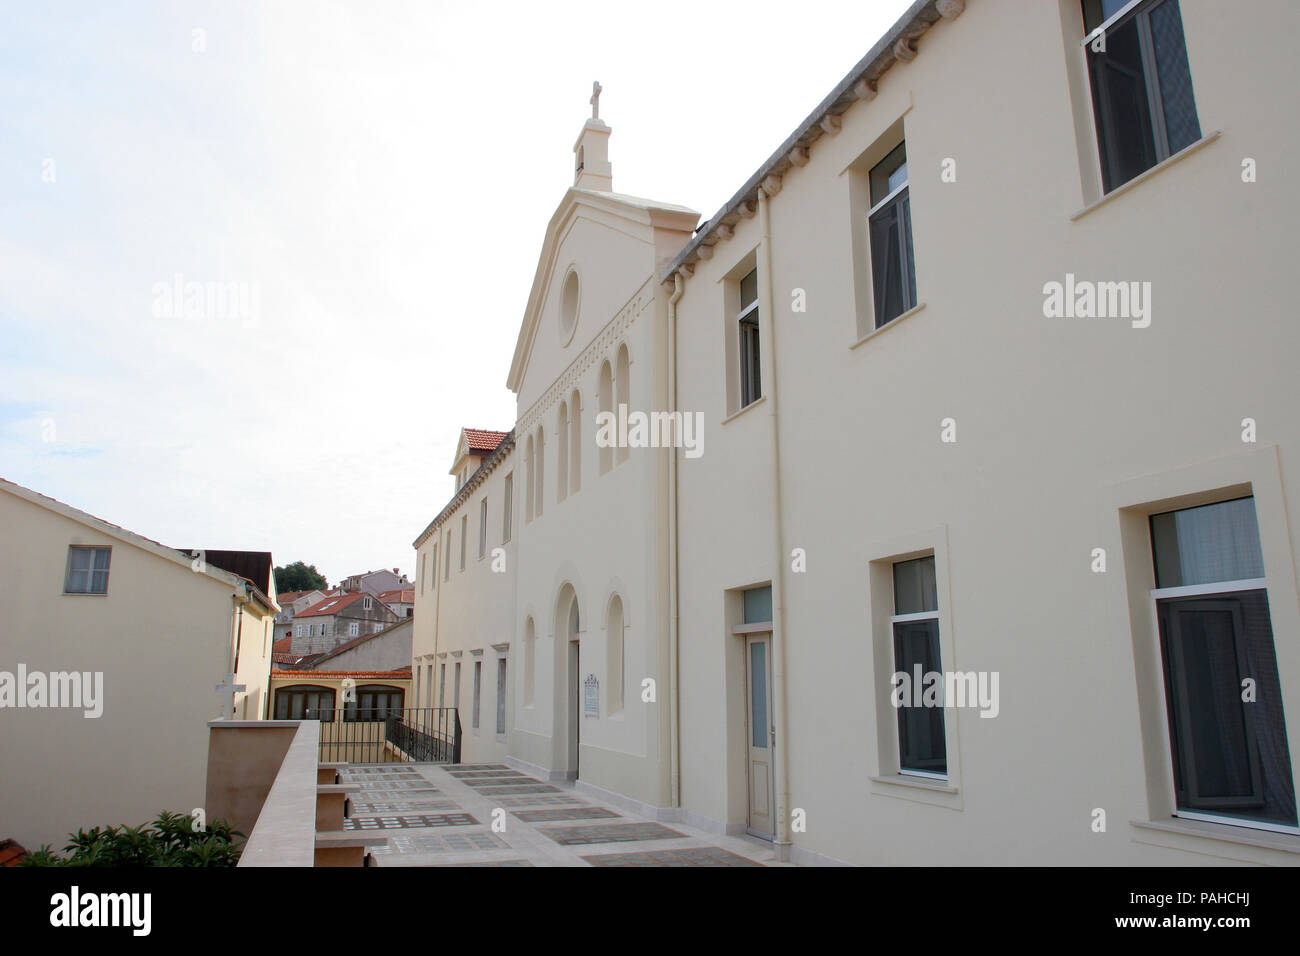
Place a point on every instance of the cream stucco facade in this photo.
(146, 750)
(976, 429)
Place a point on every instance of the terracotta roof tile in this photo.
(332, 605)
(482, 441)
(11, 853)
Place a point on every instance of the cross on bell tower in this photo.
(591, 168)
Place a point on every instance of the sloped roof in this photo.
(400, 596)
(253, 566)
(482, 441)
(332, 605)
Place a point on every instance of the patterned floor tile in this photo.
(611, 833)
(406, 821)
(364, 809)
(535, 788)
(553, 816)
(433, 841)
(538, 800)
(696, 856)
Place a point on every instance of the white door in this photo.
(759, 736)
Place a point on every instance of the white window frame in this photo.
(903, 619)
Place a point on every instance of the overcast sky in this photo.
(374, 178)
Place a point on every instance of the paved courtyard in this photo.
(435, 815)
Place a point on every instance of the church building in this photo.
(929, 503)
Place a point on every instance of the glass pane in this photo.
(915, 589)
(749, 289)
(1204, 545)
(78, 581)
(101, 559)
(758, 605)
(1181, 124)
(758, 694)
(1230, 756)
(887, 263)
(1119, 94)
(80, 559)
(921, 741)
(1097, 12)
(888, 174)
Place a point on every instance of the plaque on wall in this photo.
(591, 697)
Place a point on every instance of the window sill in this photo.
(754, 404)
(1222, 833)
(1143, 177)
(888, 325)
(917, 783)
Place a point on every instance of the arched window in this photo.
(575, 443)
(605, 401)
(530, 660)
(529, 480)
(304, 702)
(562, 453)
(614, 656)
(622, 383)
(374, 702)
(539, 494)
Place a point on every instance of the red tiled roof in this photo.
(288, 597)
(11, 853)
(401, 595)
(332, 605)
(283, 645)
(483, 441)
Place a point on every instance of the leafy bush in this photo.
(171, 840)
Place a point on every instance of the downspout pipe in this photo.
(674, 613)
(767, 329)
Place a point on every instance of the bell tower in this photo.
(591, 168)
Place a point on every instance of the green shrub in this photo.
(171, 840)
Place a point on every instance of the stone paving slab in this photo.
(509, 837)
(611, 833)
(696, 856)
(554, 816)
(408, 821)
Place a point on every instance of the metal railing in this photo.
(388, 735)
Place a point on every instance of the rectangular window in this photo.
(482, 527)
(442, 685)
(751, 384)
(354, 629)
(922, 747)
(433, 571)
(446, 561)
(1227, 730)
(478, 684)
(464, 533)
(87, 570)
(455, 690)
(507, 507)
(501, 695)
(1141, 85)
(893, 272)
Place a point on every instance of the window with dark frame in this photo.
(1227, 730)
(893, 272)
(751, 380)
(374, 702)
(922, 742)
(478, 687)
(464, 533)
(482, 527)
(501, 695)
(87, 570)
(1141, 82)
(304, 702)
(507, 507)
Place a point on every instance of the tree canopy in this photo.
(299, 577)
